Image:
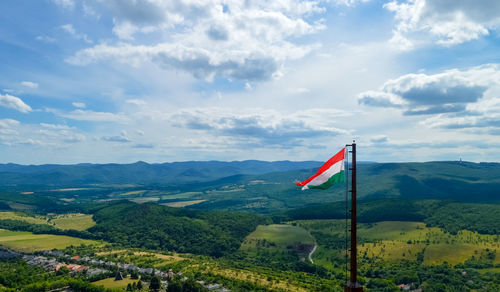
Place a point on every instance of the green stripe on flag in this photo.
(334, 179)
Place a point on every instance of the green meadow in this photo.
(74, 221)
(111, 283)
(29, 242)
(278, 238)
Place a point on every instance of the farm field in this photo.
(181, 204)
(74, 221)
(111, 283)
(29, 242)
(139, 192)
(185, 195)
(23, 217)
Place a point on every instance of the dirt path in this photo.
(311, 253)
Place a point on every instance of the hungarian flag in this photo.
(330, 173)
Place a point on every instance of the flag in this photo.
(330, 173)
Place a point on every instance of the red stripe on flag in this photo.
(336, 158)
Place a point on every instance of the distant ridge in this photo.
(140, 172)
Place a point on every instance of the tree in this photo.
(63, 271)
(134, 275)
(155, 284)
(139, 285)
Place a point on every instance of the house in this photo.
(213, 286)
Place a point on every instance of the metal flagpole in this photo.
(353, 285)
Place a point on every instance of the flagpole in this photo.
(353, 285)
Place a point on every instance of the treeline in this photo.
(450, 216)
(154, 226)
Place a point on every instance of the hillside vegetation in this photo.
(160, 227)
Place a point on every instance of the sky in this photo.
(112, 81)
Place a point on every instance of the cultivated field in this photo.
(29, 242)
(111, 283)
(74, 221)
(181, 204)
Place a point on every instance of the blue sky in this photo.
(121, 81)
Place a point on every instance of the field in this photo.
(141, 200)
(140, 192)
(111, 283)
(29, 242)
(151, 259)
(181, 204)
(281, 234)
(74, 221)
(278, 238)
(23, 217)
(185, 195)
(396, 240)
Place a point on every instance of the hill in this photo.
(139, 172)
(256, 186)
(164, 228)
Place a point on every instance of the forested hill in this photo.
(160, 227)
(449, 215)
(139, 172)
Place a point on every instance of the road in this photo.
(311, 253)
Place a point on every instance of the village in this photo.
(92, 269)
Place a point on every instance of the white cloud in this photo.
(93, 116)
(79, 36)
(423, 94)
(14, 102)
(8, 126)
(137, 102)
(122, 138)
(67, 4)
(236, 40)
(56, 126)
(45, 39)
(79, 104)
(29, 84)
(447, 22)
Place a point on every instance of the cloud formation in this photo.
(447, 22)
(258, 127)
(79, 36)
(13, 102)
(122, 138)
(422, 94)
(236, 40)
(29, 84)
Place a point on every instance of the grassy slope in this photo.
(280, 234)
(404, 240)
